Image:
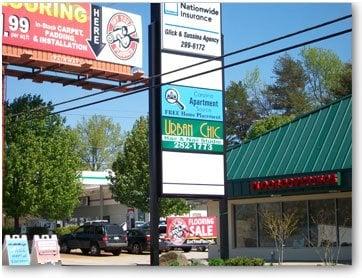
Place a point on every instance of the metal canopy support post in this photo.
(154, 130)
(101, 202)
(224, 237)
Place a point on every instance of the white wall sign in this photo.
(191, 27)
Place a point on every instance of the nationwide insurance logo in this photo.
(170, 8)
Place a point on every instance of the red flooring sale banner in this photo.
(180, 229)
(77, 29)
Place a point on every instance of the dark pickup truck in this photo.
(93, 237)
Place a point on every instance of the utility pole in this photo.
(154, 128)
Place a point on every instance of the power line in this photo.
(205, 61)
(212, 70)
(223, 56)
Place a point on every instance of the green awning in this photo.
(316, 142)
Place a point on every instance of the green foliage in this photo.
(239, 112)
(237, 261)
(344, 86)
(267, 124)
(216, 262)
(173, 263)
(244, 261)
(287, 95)
(197, 262)
(324, 71)
(41, 164)
(99, 140)
(173, 258)
(131, 184)
(9, 231)
(31, 231)
(65, 230)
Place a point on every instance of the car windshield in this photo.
(113, 229)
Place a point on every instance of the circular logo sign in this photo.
(178, 231)
(122, 36)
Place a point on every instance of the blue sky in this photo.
(243, 24)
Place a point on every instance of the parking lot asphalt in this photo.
(76, 258)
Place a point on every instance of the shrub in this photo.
(173, 263)
(216, 262)
(9, 231)
(31, 231)
(244, 261)
(173, 259)
(198, 262)
(61, 231)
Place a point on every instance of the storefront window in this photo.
(297, 211)
(345, 221)
(322, 223)
(245, 226)
(266, 212)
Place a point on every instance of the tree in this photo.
(41, 164)
(99, 140)
(280, 228)
(132, 180)
(325, 71)
(262, 126)
(239, 112)
(255, 88)
(287, 95)
(344, 86)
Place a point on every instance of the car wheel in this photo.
(117, 252)
(85, 251)
(94, 249)
(136, 248)
(201, 248)
(186, 249)
(64, 248)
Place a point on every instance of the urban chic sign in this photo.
(76, 29)
(296, 182)
(192, 110)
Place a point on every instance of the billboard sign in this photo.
(77, 29)
(181, 230)
(191, 28)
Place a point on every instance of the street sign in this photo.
(192, 109)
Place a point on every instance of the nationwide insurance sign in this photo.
(77, 29)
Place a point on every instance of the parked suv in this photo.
(139, 239)
(93, 237)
